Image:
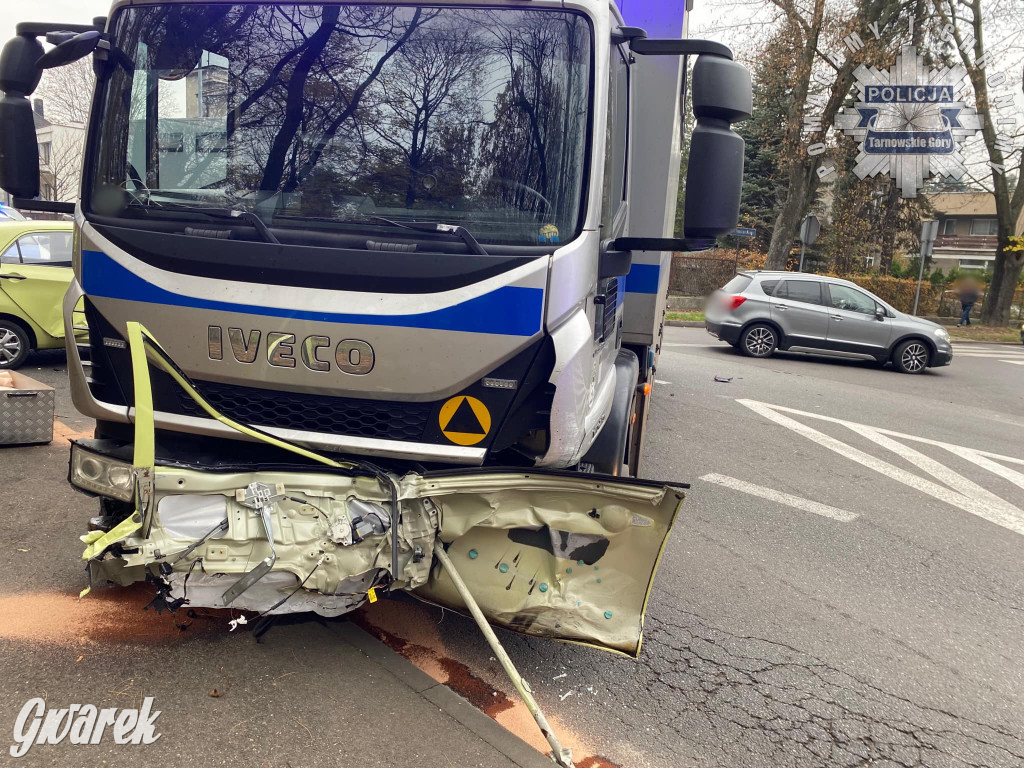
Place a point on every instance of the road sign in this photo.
(744, 232)
(809, 229)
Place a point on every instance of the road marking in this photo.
(781, 498)
(680, 344)
(1013, 362)
(985, 354)
(956, 491)
(661, 381)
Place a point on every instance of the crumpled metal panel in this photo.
(552, 556)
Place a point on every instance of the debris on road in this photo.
(723, 379)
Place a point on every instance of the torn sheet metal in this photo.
(568, 558)
(548, 553)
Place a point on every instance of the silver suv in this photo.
(759, 312)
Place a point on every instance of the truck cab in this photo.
(359, 277)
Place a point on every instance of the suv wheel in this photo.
(14, 344)
(759, 341)
(911, 356)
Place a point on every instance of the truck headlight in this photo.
(942, 333)
(101, 474)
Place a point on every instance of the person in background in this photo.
(968, 293)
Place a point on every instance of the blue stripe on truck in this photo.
(643, 278)
(509, 310)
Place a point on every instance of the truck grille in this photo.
(312, 413)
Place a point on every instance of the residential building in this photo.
(968, 231)
(61, 145)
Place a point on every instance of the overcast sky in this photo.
(71, 11)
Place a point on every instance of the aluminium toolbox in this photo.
(26, 412)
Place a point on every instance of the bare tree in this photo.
(62, 175)
(827, 47)
(963, 25)
(67, 91)
(426, 92)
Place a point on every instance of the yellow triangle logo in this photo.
(464, 420)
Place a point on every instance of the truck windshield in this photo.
(325, 116)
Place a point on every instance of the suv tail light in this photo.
(733, 302)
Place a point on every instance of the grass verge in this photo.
(984, 333)
(695, 316)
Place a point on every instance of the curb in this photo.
(444, 698)
(685, 323)
(979, 341)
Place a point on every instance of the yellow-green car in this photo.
(35, 271)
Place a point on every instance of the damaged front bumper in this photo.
(547, 553)
(550, 553)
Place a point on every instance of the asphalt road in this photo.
(779, 637)
(843, 588)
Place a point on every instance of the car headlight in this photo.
(942, 333)
(101, 474)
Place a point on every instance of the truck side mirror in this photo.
(19, 76)
(72, 49)
(721, 95)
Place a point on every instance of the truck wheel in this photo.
(911, 357)
(15, 344)
(759, 341)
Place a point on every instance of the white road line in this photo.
(1013, 362)
(781, 498)
(661, 381)
(1004, 513)
(680, 344)
(985, 354)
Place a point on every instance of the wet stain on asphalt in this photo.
(113, 616)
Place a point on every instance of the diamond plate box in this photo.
(26, 412)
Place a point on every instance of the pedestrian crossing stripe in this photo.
(464, 420)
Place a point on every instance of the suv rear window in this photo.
(768, 286)
(738, 284)
(807, 291)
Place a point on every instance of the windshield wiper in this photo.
(218, 213)
(429, 226)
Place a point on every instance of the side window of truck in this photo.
(616, 139)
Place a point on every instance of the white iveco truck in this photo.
(374, 294)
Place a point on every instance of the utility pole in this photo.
(929, 229)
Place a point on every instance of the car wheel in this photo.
(14, 344)
(911, 357)
(759, 341)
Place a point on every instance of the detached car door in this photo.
(798, 307)
(853, 322)
(35, 271)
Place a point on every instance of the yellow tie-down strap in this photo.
(141, 342)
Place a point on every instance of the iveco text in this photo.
(351, 355)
